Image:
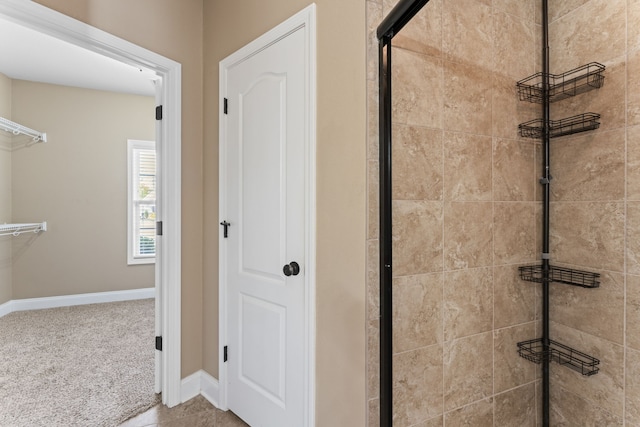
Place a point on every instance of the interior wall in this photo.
(172, 29)
(595, 214)
(340, 351)
(5, 191)
(77, 182)
(464, 215)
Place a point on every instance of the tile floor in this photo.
(197, 412)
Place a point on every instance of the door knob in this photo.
(291, 269)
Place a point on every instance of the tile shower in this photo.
(467, 213)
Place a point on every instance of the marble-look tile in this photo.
(468, 370)
(516, 407)
(373, 359)
(418, 91)
(514, 299)
(373, 200)
(598, 311)
(479, 414)
(511, 370)
(606, 388)
(513, 43)
(633, 312)
(519, 8)
(374, 18)
(632, 389)
(514, 228)
(608, 101)
(585, 168)
(597, 31)
(373, 123)
(417, 237)
(433, 422)
(417, 311)
(569, 409)
(589, 234)
(557, 9)
(373, 413)
(467, 99)
(633, 25)
(513, 170)
(468, 235)
(467, 166)
(417, 385)
(468, 33)
(423, 34)
(417, 163)
(373, 279)
(633, 88)
(633, 162)
(468, 302)
(508, 111)
(633, 238)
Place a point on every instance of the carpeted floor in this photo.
(90, 365)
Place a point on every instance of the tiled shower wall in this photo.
(467, 212)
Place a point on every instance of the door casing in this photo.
(305, 19)
(60, 26)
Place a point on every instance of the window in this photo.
(141, 202)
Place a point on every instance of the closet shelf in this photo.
(567, 126)
(584, 279)
(561, 86)
(17, 129)
(17, 229)
(534, 351)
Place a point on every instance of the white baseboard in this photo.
(79, 299)
(200, 382)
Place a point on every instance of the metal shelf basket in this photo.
(579, 80)
(534, 351)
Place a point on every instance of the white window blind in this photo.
(142, 202)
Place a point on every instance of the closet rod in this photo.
(18, 129)
(17, 229)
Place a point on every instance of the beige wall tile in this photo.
(558, 9)
(373, 200)
(519, 8)
(633, 163)
(467, 163)
(417, 237)
(417, 311)
(514, 299)
(418, 91)
(513, 170)
(373, 279)
(468, 370)
(633, 88)
(373, 413)
(511, 370)
(479, 414)
(633, 25)
(423, 34)
(633, 238)
(468, 33)
(598, 311)
(596, 32)
(468, 235)
(373, 124)
(605, 389)
(374, 18)
(373, 359)
(417, 385)
(514, 232)
(516, 407)
(633, 388)
(417, 163)
(569, 409)
(467, 98)
(589, 234)
(513, 43)
(633, 312)
(589, 167)
(468, 302)
(507, 110)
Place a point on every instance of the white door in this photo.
(264, 257)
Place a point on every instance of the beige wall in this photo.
(5, 190)
(341, 188)
(77, 182)
(172, 29)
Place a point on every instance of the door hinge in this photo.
(159, 112)
(159, 228)
(159, 343)
(226, 106)
(225, 356)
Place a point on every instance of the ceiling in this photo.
(26, 54)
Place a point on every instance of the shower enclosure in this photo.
(478, 235)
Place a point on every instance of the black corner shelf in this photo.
(534, 351)
(567, 126)
(568, 276)
(579, 80)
